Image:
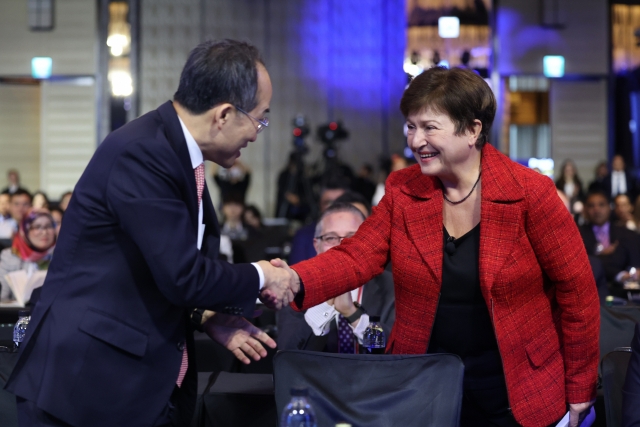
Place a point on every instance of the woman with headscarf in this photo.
(31, 249)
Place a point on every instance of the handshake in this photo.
(281, 284)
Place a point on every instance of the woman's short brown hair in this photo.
(460, 94)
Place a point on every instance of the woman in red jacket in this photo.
(487, 263)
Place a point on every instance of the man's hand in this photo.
(239, 336)
(577, 412)
(281, 284)
(344, 304)
(610, 249)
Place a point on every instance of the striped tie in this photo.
(199, 172)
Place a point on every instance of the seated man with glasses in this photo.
(337, 325)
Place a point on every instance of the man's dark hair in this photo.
(596, 192)
(217, 72)
(334, 183)
(353, 197)
(21, 192)
(460, 94)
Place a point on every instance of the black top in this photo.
(463, 324)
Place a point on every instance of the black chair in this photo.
(617, 325)
(233, 399)
(614, 370)
(374, 390)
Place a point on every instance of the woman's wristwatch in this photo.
(356, 314)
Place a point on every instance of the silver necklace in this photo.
(467, 196)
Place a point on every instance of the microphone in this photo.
(450, 247)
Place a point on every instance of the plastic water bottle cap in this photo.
(24, 313)
(374, 318)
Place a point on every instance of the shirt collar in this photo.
(602, 228)
(194, 151)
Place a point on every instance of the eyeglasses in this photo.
(264, 123)
(41, 228)
(333, 239)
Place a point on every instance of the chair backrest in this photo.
(614, 370)
(373, 390)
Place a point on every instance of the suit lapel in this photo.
(500, 214)
(175, 136)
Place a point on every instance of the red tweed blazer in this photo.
(534, 275)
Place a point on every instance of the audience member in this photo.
(19, 204)
(251, 217)
(302, 244)
(232, 227)
(600, 173)
(262, 242)
(636, 213)
(363, 182)
(615, 246)
(334, 325)
(31, 249)
(13, 178)
(4, 206)
(623, 211)
(233, 181)
(56, 213)
(40, 200)
(570, 184)
(64, 200)
(619, 181)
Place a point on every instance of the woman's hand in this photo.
(577, 412)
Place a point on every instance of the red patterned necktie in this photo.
(199, 172)
(346, 338)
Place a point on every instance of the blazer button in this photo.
(180, 347)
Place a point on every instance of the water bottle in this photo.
(24, 316)
(298, 413)
(373, 339)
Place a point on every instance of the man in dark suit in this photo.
(110, 341)
(321, 327)
(617, 247)
(13, 178)
(631, 389)
(619, 180)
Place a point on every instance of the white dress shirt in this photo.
(196, 159)
(618, 183)
(319, 318)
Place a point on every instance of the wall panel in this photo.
(578, 116)
(20, 133)
(68, 134)
(71, 44)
